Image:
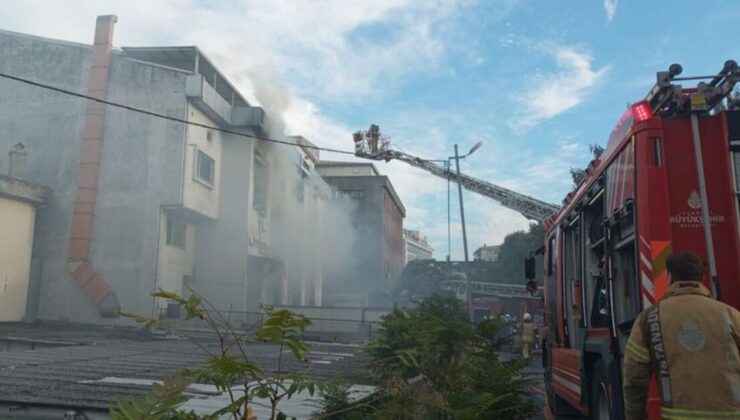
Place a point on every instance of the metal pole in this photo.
(705, 215)
(469, 292)
(449, 229)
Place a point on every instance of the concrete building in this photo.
(417, 247)
(377, 249)
(19, 201)
(299, 225)
(140, 202)
(487, 253)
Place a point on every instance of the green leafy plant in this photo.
(431, 362)
(338, 402)
(161, 403)
(229, 369)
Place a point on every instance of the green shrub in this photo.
(431, 362)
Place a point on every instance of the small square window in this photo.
(353, 194)
(176, 232)
(205, 168)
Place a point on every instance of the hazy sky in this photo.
(536, 80)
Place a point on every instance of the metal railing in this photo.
(500, 290)
(325, 329)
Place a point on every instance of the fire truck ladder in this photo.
(373, 145)
(667, 99)
(500, 290)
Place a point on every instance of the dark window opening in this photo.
(205, 168)
(657, 153)
(261, 185)
(353, 194)
(176, 233)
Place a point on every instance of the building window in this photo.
(205, 168)
(356, 194)
(261, 180)
(353, 194)
(305, 167)
(176, 232)
(300, 191)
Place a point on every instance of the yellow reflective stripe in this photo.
(637, 348)
(640, 353)
(660, 256)
(633, 405)
(677, 413)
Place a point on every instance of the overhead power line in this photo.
(167, 117)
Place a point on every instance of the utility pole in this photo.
(449, 230)
(469, 294)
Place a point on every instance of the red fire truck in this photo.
(668, 181)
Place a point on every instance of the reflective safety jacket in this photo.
(529, 331)
(690, 342)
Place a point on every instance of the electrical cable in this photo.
(167, 117)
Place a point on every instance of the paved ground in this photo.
(534, 372)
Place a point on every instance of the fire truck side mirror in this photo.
(529, 273)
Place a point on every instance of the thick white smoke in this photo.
(311, 232)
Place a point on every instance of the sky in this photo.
(537, 81)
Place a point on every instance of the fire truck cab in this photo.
(668, 181)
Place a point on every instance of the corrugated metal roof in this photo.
(71, 375)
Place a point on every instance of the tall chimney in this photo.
(91, 282)
(17, 168)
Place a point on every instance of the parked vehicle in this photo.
(668, 181)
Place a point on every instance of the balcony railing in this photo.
(207, 100)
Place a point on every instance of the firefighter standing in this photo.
(529, 331)
(690, 342)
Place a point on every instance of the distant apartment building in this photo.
(417, 247)
(142, 203)
(377, 249)
(487, 253)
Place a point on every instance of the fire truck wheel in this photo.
(601, 407)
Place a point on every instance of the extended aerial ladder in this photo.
(499, 290)
(371, 144)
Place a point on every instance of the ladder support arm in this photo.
(529, 207)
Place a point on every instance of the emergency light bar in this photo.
(641, 111)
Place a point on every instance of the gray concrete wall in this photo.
(415, 252)
(141, 171)
(221, 245)
(140, 167)
(50, 125)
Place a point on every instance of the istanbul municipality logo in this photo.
(694, 200)
(692, 218)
